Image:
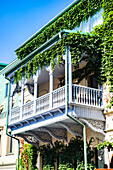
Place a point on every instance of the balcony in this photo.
(81, 96)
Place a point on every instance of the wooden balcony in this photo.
(81, 95)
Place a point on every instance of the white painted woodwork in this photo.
(22, 97)
(83, 97)
(51, 85)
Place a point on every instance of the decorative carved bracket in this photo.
(52, 134)
(69, 129)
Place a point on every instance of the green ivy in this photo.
(105, 144)
(79, 44)
(66, 154)
(105, 32)
(69, 20)
(28, 158)
(97, 46)
(82, 167)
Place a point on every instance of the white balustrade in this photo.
(86, 95)
(28, 109)
(15, 114)
(80, 95)
(42, 103)
(58, 97)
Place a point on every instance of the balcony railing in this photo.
(42, 103)
(80, 95)
(86, 95)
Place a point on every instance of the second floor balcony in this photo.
(46, 94)
(48, 103)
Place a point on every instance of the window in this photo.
(9, 144)
(91, 22)
(85, 26)
(96, 19)
(0, 145)
(1, 128)
(7, 89)
(92, 82)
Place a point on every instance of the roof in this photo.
(2, 65)
(16, 63)
(49, 23)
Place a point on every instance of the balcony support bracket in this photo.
(70, 130)
(52, 134)
(92, 127)
(39, 138)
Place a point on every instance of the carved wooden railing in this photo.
(80, 95)
(86, 95)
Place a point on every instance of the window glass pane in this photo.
(0, 145)
(9, 144)
(85, 26)
(96, 19)
(6, 90)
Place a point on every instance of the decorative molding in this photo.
(37, 136)
(52, 134)
(69, 129)
(92, 127)
(89, 113)
(29, 139)
(97, 123)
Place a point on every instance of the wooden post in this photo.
(22, 97)
(51, 86)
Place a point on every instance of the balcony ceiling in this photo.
(44, 76)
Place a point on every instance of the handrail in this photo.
(86, 87)
(15, 108)
(28, 103)
(80, 95)
(43, 96)
(58, 89)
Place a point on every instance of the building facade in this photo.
(8, 146)
(55, 90)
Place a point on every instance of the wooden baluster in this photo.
(91, 96)
(86, 96)
(74, 93)
(96, 97)
(79, 95)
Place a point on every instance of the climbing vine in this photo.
(105, 32)
(28, 158)
(105, 144)
(95, 48)
(69, 20)
(82, 47)
(68, 154)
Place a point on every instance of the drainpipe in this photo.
(7, 125)
(66, 98)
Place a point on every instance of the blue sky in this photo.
(20, 19)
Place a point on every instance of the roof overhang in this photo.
(49, 23)
(13, 66)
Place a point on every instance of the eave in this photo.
(49, 23)
(13, 66)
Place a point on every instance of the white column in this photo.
(51, 86)
(22, 97)
(70, 76)
(35, 89)
(39, 162)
